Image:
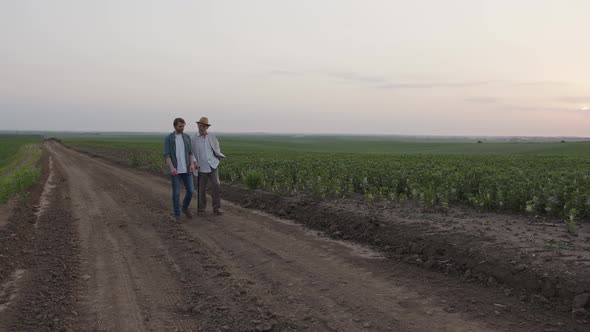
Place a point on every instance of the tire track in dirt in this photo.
(9, 289)
(124, 290)
(144, 273)
(48, 187)
(248, 271)
(42, 252)
(6, 211)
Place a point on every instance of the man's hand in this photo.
(173, 171)
(192, 167)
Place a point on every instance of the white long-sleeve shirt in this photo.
(180, 155)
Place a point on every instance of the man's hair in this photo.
(177, 121)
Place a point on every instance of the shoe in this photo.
(176, 219)
(187, 213)
(217, 212)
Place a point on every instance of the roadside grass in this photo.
(19, 157)
(10, 148)
(17, 182)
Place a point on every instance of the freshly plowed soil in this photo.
(525, 257)
(104, 255)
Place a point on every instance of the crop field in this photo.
(547, 179)
(18, 155)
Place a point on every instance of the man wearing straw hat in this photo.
(206, 153)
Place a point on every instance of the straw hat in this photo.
(204, 120)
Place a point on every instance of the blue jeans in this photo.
(187, 178)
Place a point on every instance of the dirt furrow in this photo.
(41, 250)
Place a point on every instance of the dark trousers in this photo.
(204, 179)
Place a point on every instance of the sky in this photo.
(453, 67)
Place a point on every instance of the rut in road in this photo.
(248, 271)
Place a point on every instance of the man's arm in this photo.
(193, 153)
(167, 157)
(173, 170)
(189, 150)
(216, 146)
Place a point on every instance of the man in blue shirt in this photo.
(180, 167)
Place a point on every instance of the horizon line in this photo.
(286, 133)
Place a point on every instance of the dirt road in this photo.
(126, 267)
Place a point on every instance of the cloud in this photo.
(385, 83)
(285, 72)
(544, 109)
(352, 76)
(341, 75)
(483, 100)
(430, 85)
(570, 99)
(542, 83)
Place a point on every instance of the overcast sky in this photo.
(453, 67)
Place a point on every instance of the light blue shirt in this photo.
(205, 157)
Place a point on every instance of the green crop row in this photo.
(17, 182)
(555, 185)
(545, 185)
(25, 153)
(11, 148)
(24, 177)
